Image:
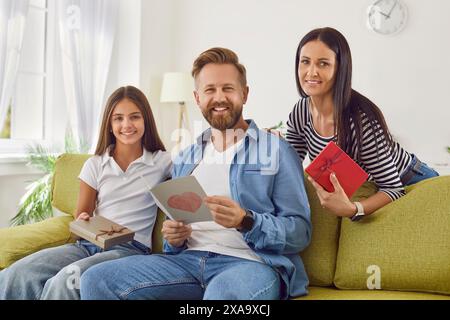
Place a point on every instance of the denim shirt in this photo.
(266, 177)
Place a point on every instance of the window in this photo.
(31, 102)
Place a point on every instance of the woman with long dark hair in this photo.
(330, 110)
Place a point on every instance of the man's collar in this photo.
(252, 132)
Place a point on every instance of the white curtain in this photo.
(13, 16)
(87, 30)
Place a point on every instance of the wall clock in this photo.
(387, 17)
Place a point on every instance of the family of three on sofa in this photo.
(260, 208)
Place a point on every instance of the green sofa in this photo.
(400, 252)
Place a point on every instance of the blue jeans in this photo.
(417, 171)
(54, 273)
(190, 275)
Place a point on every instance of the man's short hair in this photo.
(219, 56)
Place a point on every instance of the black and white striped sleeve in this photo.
(295, 131)
(379, 161)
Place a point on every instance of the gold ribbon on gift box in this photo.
(109, 232)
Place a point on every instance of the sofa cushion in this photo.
(320, 256)
(66, 186)
(157, 239)
(18, 242)
(408, 240)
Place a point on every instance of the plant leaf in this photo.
(278, 126)
(36, 204)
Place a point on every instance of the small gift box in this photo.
(333, 159)
(101, 232)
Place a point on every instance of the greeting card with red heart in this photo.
(181, 199)
(188, 201)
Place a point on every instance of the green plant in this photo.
(36, 203)
(280, 127)
(448, 149)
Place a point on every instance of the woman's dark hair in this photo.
(150, 141)
(348, 103)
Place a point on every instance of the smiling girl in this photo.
(112, 185)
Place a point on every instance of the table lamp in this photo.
(178, 87)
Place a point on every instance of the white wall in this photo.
(143, 51)
(406, 75)
(158, 36)
(125, 68)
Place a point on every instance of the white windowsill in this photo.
(15, 164)
(13, 158)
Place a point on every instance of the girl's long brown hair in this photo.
(150, 141)
(348, 103)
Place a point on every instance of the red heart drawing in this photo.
(188, 201)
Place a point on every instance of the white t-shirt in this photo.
(213, 174)
(123, 197)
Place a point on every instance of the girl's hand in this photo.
(176, 232)
(337, 201)
(84, 216)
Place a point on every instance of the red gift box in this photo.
(333, 159)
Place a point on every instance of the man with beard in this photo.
(257, 200)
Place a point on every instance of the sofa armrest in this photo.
(18, 242)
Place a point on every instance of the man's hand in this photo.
(84, 216)
(225, 211)
(176, 232)
(336, 201)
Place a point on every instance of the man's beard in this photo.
(226, 121)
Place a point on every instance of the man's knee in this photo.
(247, 282)
(94, 283)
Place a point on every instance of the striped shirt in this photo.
(384, 168)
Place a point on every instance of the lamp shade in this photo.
(177, 87)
